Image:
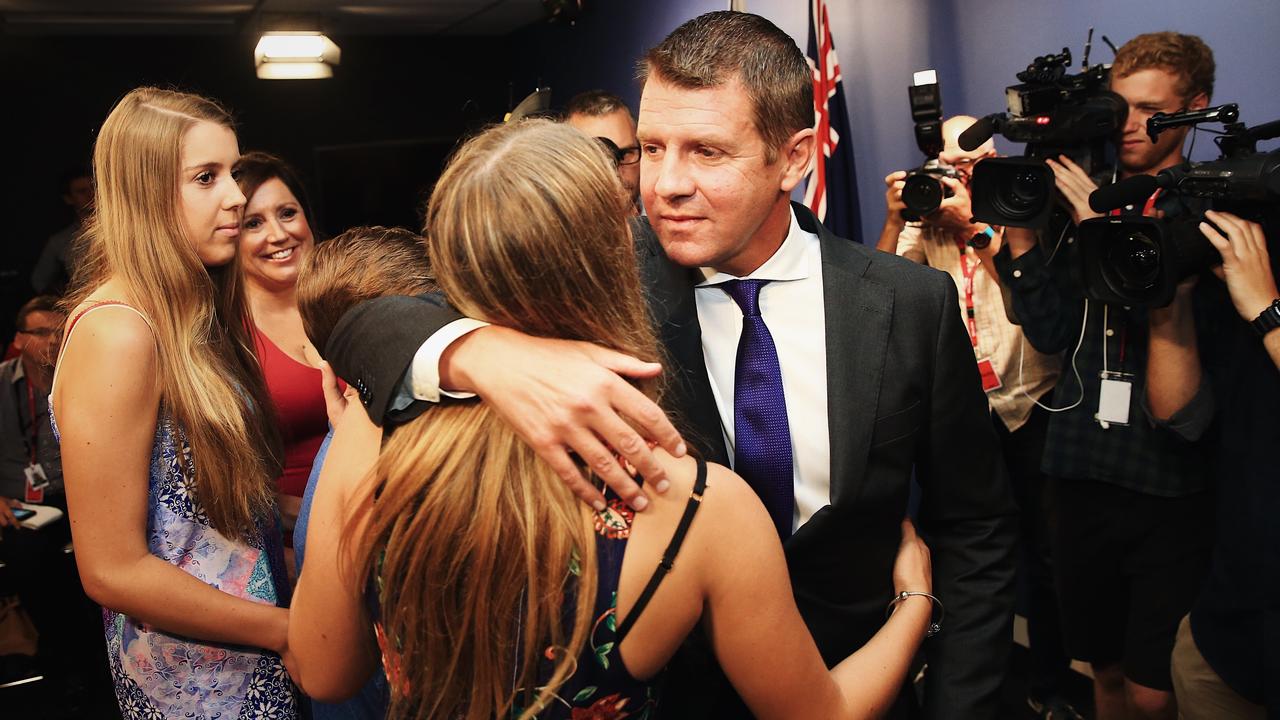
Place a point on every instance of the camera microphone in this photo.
(1130, 191)
(977, 133)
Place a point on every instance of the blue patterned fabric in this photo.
(158, 675)
(761, 437)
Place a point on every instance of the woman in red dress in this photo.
(274, 236)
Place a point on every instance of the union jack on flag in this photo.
(832, 192)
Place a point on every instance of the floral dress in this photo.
(158, 675)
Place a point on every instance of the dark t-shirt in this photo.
(1230, 620)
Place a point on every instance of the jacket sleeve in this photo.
(373, 345)
(968, 518)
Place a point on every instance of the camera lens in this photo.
(922, 193)
(1020, 194)
(1132, 262)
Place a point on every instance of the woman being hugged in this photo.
(499, 593)
(167, 450)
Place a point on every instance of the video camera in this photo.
(924, 190)
(1054, 113)
(1140, 261)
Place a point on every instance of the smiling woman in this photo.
(275, 236)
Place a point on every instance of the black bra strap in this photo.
(669, 555)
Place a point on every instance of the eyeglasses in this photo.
(628, 155)
(622, 156)
(41, 331)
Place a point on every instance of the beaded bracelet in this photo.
(935, 626)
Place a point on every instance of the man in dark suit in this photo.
(822, 371)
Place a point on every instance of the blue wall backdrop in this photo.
(976, 46)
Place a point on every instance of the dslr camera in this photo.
(924, 190)
(1139, 261)
(1054, 113)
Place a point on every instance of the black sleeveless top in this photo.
(601, 688)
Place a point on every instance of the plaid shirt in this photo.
(1140, 456)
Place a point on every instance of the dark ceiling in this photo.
(340, 17)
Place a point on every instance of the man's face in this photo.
(620, 129)
(962, 160)
(39, 337)
(705, 178)
(1148, 92)
(79, 195)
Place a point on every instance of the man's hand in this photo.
(955, 214)
(1075, 185)
(562, 395)
(1246, 266)
(6, 513)
(894, 183)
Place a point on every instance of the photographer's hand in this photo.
(1246, 266)
(1075, 185)
(955, 214)
(6, 515)
(893, 220)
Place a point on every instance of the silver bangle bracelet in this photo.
(935, 626)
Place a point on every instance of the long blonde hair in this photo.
(209, 379)
(472, 536)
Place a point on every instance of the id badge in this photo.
(1114, 398)
(37, 481)
(990, 379)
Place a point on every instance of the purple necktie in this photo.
(761, 438)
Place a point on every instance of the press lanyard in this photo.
(30, 433)
(967, 270)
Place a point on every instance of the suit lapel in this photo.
(669, 289)
(858, 314)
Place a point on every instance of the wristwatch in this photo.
(1268, 319)
(982, 238)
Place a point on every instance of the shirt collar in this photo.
(19, 373)
(789, 262)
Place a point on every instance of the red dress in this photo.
(298, 397)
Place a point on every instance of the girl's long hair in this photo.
(472, 537)
(209, 378)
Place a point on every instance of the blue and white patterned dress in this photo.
(158, 675)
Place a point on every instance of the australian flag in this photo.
(832, 192)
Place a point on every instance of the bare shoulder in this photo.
(110, 332)
(111, 352)
(729, 507)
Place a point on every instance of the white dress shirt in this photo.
(792, 308)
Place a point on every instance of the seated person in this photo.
(495, 591)
(359, 264)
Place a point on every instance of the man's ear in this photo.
(1199, 102)
(796, 155)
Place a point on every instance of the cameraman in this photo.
(1205, 363)
(1132, 519)
(1014, 375)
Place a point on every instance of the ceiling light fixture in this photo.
(295, 56)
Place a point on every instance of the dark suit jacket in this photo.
(904, 392)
